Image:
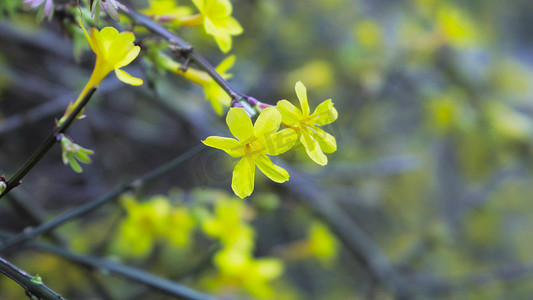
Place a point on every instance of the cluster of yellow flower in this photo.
(228, 222)
(254, 143)
(151, 220)
(235, 261)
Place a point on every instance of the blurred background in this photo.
(427, 196)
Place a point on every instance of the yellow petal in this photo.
(281, 141)
(229, 145)
(325, 113)
(225, 65)
(269, 268)
(87, 37)
(327, 142)
(275, 173)
(128, 57)
(313, 148)
(127, 78)
(242, 182)
(121, 51)
(222, 37)
(290, 114)
(105, 37)
(216, 95)
(268, 122)
(233, 27)
(301, 92)
(240, 124)
(199, 4)
(216, 9)
(223, 40)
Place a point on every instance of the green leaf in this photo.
(74, 164)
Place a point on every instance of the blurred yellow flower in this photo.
(151, 220)
(227, 224)
(213, 92)
(252, 145)
(218, 21)
(315, 140)
(166, 11)
(457, 26)
(238, 267)
(368, 34)
(322, 243)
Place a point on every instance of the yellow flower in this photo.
(322, 243)
(145, 222)
(228, 224)
(238, 267)
(213, 92)
(252, 145)
(113, 51)
(315, 140)
(218, 21)
(154, 219)
(166, 11)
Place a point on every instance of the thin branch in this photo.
(161, 284)
(32, 285)
(93, 205)
(16, 179)
(187, 52)
(350, 234)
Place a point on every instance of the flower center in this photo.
(253, 148)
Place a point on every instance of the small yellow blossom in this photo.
(238, 267)
(154, 219)
(228, 224)
(113, 51)
(167, 11)
(322, 243)
(212, 90)
(218, 21)
(315, 140)
(252, 145)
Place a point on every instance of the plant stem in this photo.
(161, 284)
(92, 205)
(187, 52)
(33, 286)
(16, 179)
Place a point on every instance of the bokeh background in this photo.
(428, 194)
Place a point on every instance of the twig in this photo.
(186, 51)
(161, 284)
(49, 107)
(351, 235)
(348, 231)
(92, 205)
(15, 180)
(33, 285)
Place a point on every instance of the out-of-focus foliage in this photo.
(433, 162)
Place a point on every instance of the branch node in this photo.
(179, 50)
(185, 66)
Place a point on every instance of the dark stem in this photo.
(161, 284)
(16, 179)
(33, 286)
(187, 52)
(93, 205)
